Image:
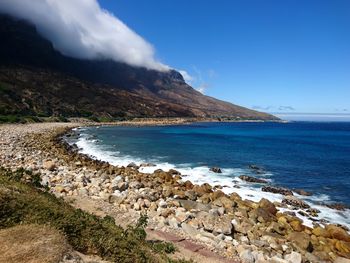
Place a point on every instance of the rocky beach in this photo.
(204, 223)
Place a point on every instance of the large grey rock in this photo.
(190, 230)
(218, 224)
(342, 260)
(293, 257)
(193, 205)
(246, 256)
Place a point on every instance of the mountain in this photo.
(37, 80)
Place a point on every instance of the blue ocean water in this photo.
(314, 156)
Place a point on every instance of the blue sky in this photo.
(276, 56)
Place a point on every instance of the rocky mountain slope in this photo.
(37, 80)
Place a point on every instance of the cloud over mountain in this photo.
(82, 29)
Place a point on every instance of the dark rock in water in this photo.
(215, 170)
(256, 169)
(252, 179)
(147, 165)
(338, 206)
(174, 172)
(313, 212)
(277, 190)
(302, 192)
(291, 213)
(133, 165)
(294, 201)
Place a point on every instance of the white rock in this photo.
(162, 203)
(293, 257)
(190, 230)
(228, 238)
(342, 260)
(246, 256)
(137, 206)
(173, 223)
(276, 259)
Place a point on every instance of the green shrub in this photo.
(9, 119)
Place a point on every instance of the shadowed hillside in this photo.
(37, 80)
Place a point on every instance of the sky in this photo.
(289, 56)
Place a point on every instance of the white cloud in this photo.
(187, 77)
(82, 29)
(202, 88)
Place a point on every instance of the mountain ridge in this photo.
(38, 80)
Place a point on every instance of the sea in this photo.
(313, 156)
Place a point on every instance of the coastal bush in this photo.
(24, 201)
(9, 119)
(19, 119)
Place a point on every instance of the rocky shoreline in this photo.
(240, 230)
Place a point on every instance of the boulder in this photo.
(246, 256)
(343, 247)
(337, 206)
(190, 230)
(277, 190)
(293, 257)
(212, 223)
(337, 232)
(174, 172)
(191, 195)
(341, 260)
(215, 170)
(181, 216)
(173, 223)
(297, 225)
(116, 198)
(256, 169)
(302, 192)
(301, 239)
(242, 226)
(192, 205)
(217, 194)
(294, 201)
(313, 212)
(188, 185)
(49, 165)
(319, 232)
(225, 202)
(162, 204)
(268, 206)
(121, 186)
(147, 165)
(167, 191)
(202, 189)
(252, 179)
(261, 215)
(133, 165)
(136, 185)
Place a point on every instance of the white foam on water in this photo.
(228, 179)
